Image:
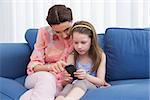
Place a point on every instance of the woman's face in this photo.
(62, 29)
(81, 43)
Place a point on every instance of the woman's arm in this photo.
(54, 67)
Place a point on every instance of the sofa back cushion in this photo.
(100, 38)
(127, 52)
(30, 37)
(14, 58)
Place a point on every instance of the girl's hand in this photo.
(80, 74)
(105, 85)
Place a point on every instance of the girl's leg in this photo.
(75, 94)
(79, 89)
(41, 85)
(64, 92)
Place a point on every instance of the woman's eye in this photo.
(66, 30)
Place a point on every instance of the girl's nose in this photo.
(79, 46)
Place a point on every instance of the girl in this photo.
(90, 61)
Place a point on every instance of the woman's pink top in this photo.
(49, 48)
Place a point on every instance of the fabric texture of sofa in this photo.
(127, 51)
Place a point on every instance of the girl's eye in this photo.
(75, 42)
(83, 42)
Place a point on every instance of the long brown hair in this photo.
(95, 51)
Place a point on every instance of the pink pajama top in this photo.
(49, 48)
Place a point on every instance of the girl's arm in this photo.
(100, 79)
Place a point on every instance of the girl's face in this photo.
(81, 43)
(62, 29)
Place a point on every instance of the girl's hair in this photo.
(95, 51)
(58, 14)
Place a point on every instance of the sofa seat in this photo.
(10, 89)
(127, 66)
(135, 89)
(5, 97)
(21, 80)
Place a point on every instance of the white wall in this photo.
(16, 16)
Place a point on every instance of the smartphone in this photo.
(71, 69)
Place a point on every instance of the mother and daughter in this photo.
(57, 46)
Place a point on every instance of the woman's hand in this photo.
(80, 74)
(67, 78)
(57, 67)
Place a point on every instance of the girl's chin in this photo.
(81, 53)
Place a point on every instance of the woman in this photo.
(48, 58)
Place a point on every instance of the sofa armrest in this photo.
(14, 58)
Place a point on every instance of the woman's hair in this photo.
(58, 14)
(95, 51)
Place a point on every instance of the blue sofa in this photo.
(127, 52)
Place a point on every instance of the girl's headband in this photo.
(85, 26)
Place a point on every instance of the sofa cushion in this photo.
(100, 37)
(30, 37)
(11, 89)
(127, 53)
(121, 90)
(5, 97)
(14, 58)
(21, 80)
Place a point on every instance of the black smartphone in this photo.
(71, 69)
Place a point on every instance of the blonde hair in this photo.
(95, 51)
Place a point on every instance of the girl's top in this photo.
(86, 67)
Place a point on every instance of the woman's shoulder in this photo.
(46, 30)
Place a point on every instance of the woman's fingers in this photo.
(53, 67)
(58, 66)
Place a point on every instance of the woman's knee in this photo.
(41, 77)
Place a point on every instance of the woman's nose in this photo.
(64, 35)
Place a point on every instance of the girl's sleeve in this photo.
(37, 56)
